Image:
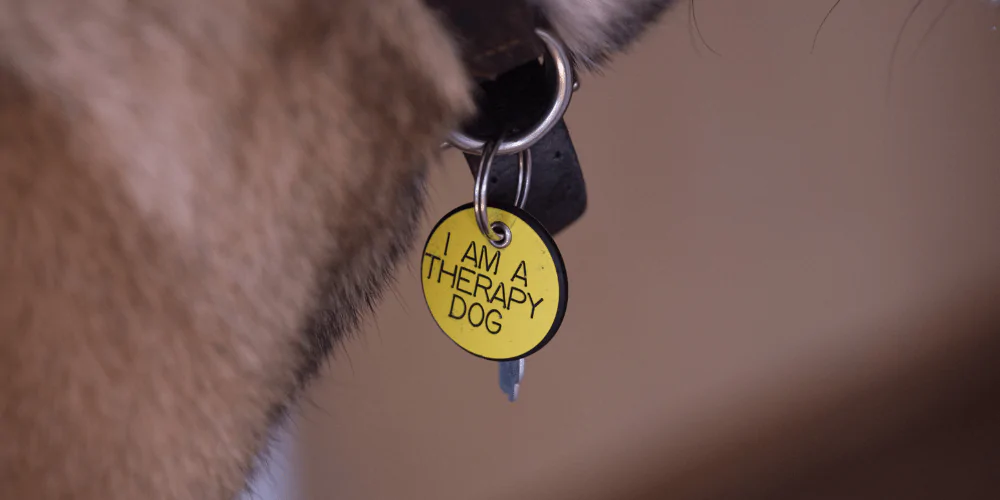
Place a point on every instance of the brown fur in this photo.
(196, 199)
(179, 182)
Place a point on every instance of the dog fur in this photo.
(196, 200)
(595, 29)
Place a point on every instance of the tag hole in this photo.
(557, 156)
(504, 232)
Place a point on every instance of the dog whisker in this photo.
(823, 23)
(895, 47)
(693, 22)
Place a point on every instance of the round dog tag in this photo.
(497, 303)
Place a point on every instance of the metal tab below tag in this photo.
(511, 374)
(558, 195)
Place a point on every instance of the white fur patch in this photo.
(592, 28)
(275, 477)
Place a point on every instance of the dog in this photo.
(197, 200)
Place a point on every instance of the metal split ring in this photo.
(498, 233)
(563, 67)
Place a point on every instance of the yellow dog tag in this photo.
(497, 303)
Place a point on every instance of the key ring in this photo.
(498, 233)
(564, 91)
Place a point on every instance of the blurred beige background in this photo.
(771, 241)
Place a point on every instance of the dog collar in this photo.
(494, 36)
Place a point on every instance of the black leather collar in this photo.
(494, 36)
